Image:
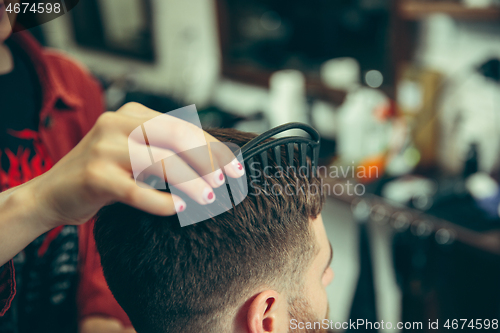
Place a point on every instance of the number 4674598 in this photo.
(477, 324)
(39, 8)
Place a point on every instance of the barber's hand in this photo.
(98, 170)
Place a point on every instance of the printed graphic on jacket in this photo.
(46, 271)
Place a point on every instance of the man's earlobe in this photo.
(267, 313)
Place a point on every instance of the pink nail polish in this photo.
(208, 195)
(180, 206)
(219, 177)
(238, 167)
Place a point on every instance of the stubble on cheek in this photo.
(300, 310)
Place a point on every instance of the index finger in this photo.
(182, 134)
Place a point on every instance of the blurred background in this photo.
(408, 89)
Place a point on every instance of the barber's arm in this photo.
(97, 172)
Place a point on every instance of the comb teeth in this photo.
(303, 156)
(265, 164)
(277, 155)
(305, 150)
(250, 164)
(314, 160)
(290, 153)
(261, 146)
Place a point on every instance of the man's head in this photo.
(251, 269)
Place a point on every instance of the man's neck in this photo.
(6, 60)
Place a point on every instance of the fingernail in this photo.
(208, 195)
(238, 167)
(219, 177)
(180, 206)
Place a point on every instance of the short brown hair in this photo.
(173, 279)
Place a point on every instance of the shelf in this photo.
(252, 75)
(416, 10)
(488, 241)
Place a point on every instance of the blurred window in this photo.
(122, 27)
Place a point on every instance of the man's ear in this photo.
(268, 313)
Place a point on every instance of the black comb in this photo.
(254, 148)
(307, 147)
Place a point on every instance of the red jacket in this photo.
(72, 102)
